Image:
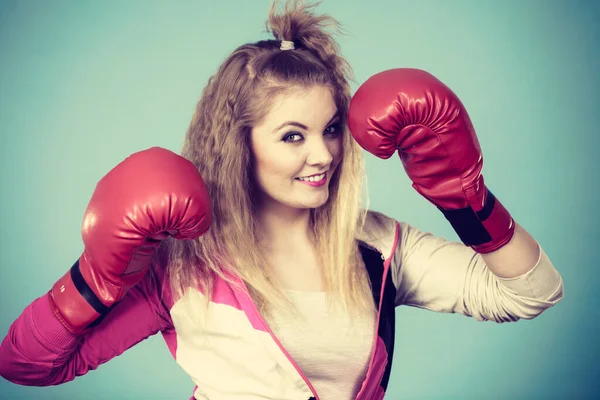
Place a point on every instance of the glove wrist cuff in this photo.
(485, 230)
(70, 301)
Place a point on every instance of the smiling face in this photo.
(297, 148)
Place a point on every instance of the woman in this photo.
(252, 255)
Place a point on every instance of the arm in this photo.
(439, 275)
(39, 351)
(498, 272)
(96, 310)
(516, 258)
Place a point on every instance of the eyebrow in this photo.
(302, 126)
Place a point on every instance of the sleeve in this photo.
(439, 275)
(39, 351)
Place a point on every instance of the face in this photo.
(297, 148)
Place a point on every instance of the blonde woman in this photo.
(251, 252)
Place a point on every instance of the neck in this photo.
(285, 228)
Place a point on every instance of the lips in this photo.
(308, 176)
(312, 178)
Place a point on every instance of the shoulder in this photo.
(380, 231)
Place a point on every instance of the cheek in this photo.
(274, 166)
(336, 148)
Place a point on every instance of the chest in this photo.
(331, 347)
(298, 270)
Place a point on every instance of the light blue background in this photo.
(85, 83)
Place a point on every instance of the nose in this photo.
(319, 152)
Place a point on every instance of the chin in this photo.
(316, 203)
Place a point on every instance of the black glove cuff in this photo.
(468, 223)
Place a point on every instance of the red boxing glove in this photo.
(411, 111)
(149, 196)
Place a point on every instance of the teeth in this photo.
(313, 178)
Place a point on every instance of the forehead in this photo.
(314, 104)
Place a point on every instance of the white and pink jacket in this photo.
(230, 352)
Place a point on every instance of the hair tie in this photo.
(287, 45)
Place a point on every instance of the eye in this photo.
(334, 129)
(289, 137)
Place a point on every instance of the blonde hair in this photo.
(235, 99)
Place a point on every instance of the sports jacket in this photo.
(228, 349)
